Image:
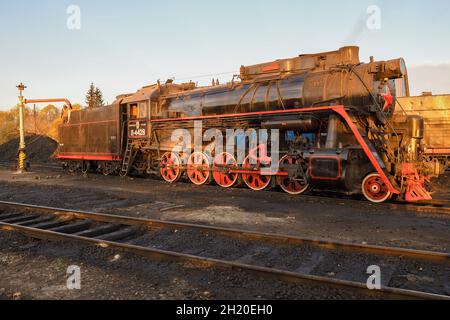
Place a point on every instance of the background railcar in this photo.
(435, 109)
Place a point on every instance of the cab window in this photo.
(143, 110)
(134, 112)
(154, 109)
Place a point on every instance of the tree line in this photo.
(42, 121)
(94, 97)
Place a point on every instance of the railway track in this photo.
(428, 207)
(437, 207)
(406, 273)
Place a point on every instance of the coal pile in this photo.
(39, 149)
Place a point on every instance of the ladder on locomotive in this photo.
(377, 137)
(128, 159)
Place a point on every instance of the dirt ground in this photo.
(441, 187)
(37, 270)
(110, 275)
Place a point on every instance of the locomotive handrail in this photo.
(122, 138)
(378, 106)
(280, 97)
(374, 100)
(238, 106)
(232, 115)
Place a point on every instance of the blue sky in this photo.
(123, 45)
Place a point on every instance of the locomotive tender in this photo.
(326, 120)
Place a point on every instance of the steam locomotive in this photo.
(317, 121)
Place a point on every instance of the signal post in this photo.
(22, 153)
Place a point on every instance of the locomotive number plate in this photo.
(137, 129)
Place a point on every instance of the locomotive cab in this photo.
(138, 115)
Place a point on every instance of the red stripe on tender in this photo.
(89, 157)
(93, 153)
(86, 123)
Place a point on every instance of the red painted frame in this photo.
(339, 109)
(343, 113)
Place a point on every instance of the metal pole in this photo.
(22, 146)
(35, 120)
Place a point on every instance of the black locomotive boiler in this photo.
(326, 122)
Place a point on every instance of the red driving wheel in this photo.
(221, 165)
(255, 181)
(289, 184)
(374, 189)
(170, 168)
(198, 168)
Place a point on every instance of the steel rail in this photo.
(438, 207)
(210, 262)
(237, 233)
(203, 262)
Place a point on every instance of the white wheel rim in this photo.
(375, 188)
